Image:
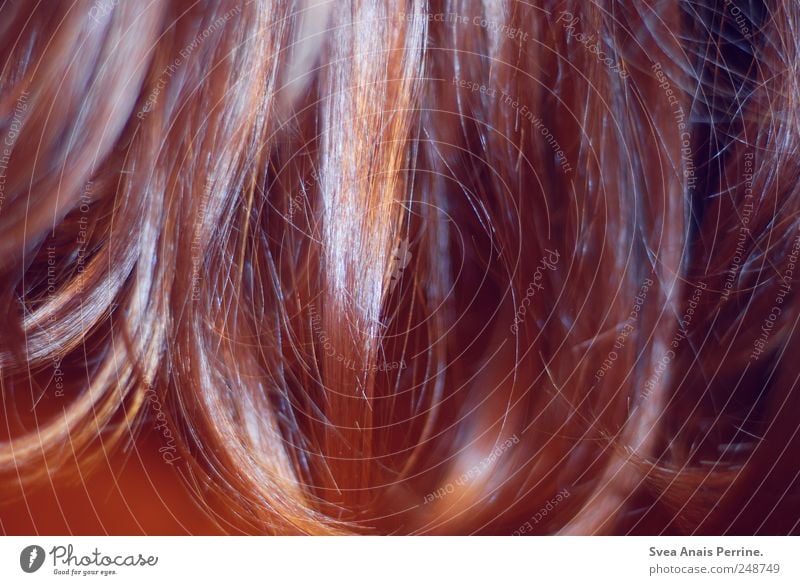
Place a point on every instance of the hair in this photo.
(428, 267)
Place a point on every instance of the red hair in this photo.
(436, 267)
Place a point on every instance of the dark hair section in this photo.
(415, 267)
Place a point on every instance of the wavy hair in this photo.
(419, 267)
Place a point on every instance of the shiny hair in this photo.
(438, 267)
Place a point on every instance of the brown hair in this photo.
(422, 267)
